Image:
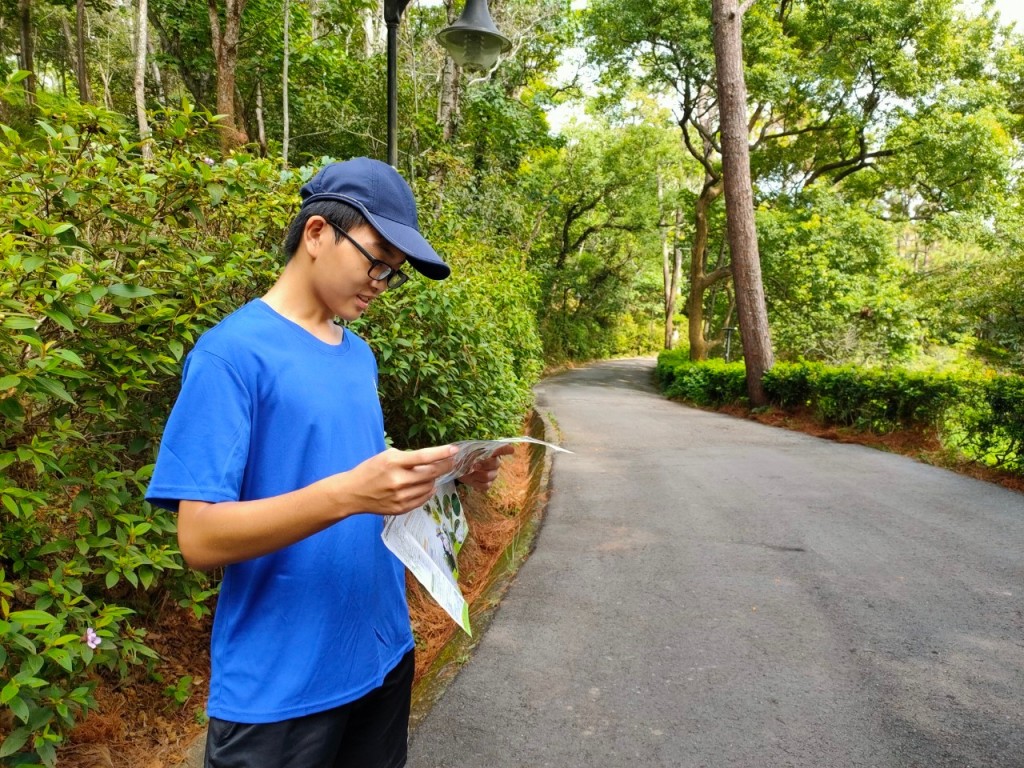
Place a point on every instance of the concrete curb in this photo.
(459, 648)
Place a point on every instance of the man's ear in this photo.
(314, 234)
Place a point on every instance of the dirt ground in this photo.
(141, 724)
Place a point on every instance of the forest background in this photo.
(151, 158)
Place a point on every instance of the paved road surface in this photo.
(709, 591)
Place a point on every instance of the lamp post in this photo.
(472, 41)
(393, 10)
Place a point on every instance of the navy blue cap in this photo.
(385, 200)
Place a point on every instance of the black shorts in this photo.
(371, 732)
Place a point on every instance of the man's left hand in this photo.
(482, 474)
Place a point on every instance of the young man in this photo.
(274, 458)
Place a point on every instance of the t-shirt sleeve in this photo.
(205, 445)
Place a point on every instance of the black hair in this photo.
(342, 215)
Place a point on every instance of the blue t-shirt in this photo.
(266, 408)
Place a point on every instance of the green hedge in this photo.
(981, 416)
(110, 268)
(712, 383)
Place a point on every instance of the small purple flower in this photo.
(209, 161)
(91, 639)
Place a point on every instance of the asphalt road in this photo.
(709, 591)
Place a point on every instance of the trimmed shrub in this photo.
(710, 383)
(882, 400)
(991, 426)
(982, 416)
(790, 385)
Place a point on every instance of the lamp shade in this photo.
(473, 40)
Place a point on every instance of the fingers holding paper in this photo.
(482, 473)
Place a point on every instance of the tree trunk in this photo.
(158, 79)
(727, 17)
(106, 77)
(369, 31)
(81, 67)
(225, 51)
(700, 280)
(141, 48)
(284, 87)
(69, 43)
(671, 267)
(448, 99)
(27, 54)
(447, 106)
(261, 129)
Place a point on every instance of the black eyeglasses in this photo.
(379, 270)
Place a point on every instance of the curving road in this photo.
(709, 591)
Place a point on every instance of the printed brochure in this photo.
(428, 539)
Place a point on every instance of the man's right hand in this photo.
(395, 482)
(391, 483)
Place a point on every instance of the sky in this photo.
(1012, 10)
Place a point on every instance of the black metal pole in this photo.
(393, 92)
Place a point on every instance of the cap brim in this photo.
(419, 253)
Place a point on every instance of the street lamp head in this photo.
(473, 40)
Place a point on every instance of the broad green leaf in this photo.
(20, 708)
(9, 691)
(131, 291)
(60, 318)
(19, 322)
(14, 741)
(62, 657)
(12, 409)
(32, 618)
(10, 504)
(55, 388)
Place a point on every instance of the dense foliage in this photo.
(109, 270)
(879, 158)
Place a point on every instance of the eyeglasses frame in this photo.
(392, 277)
